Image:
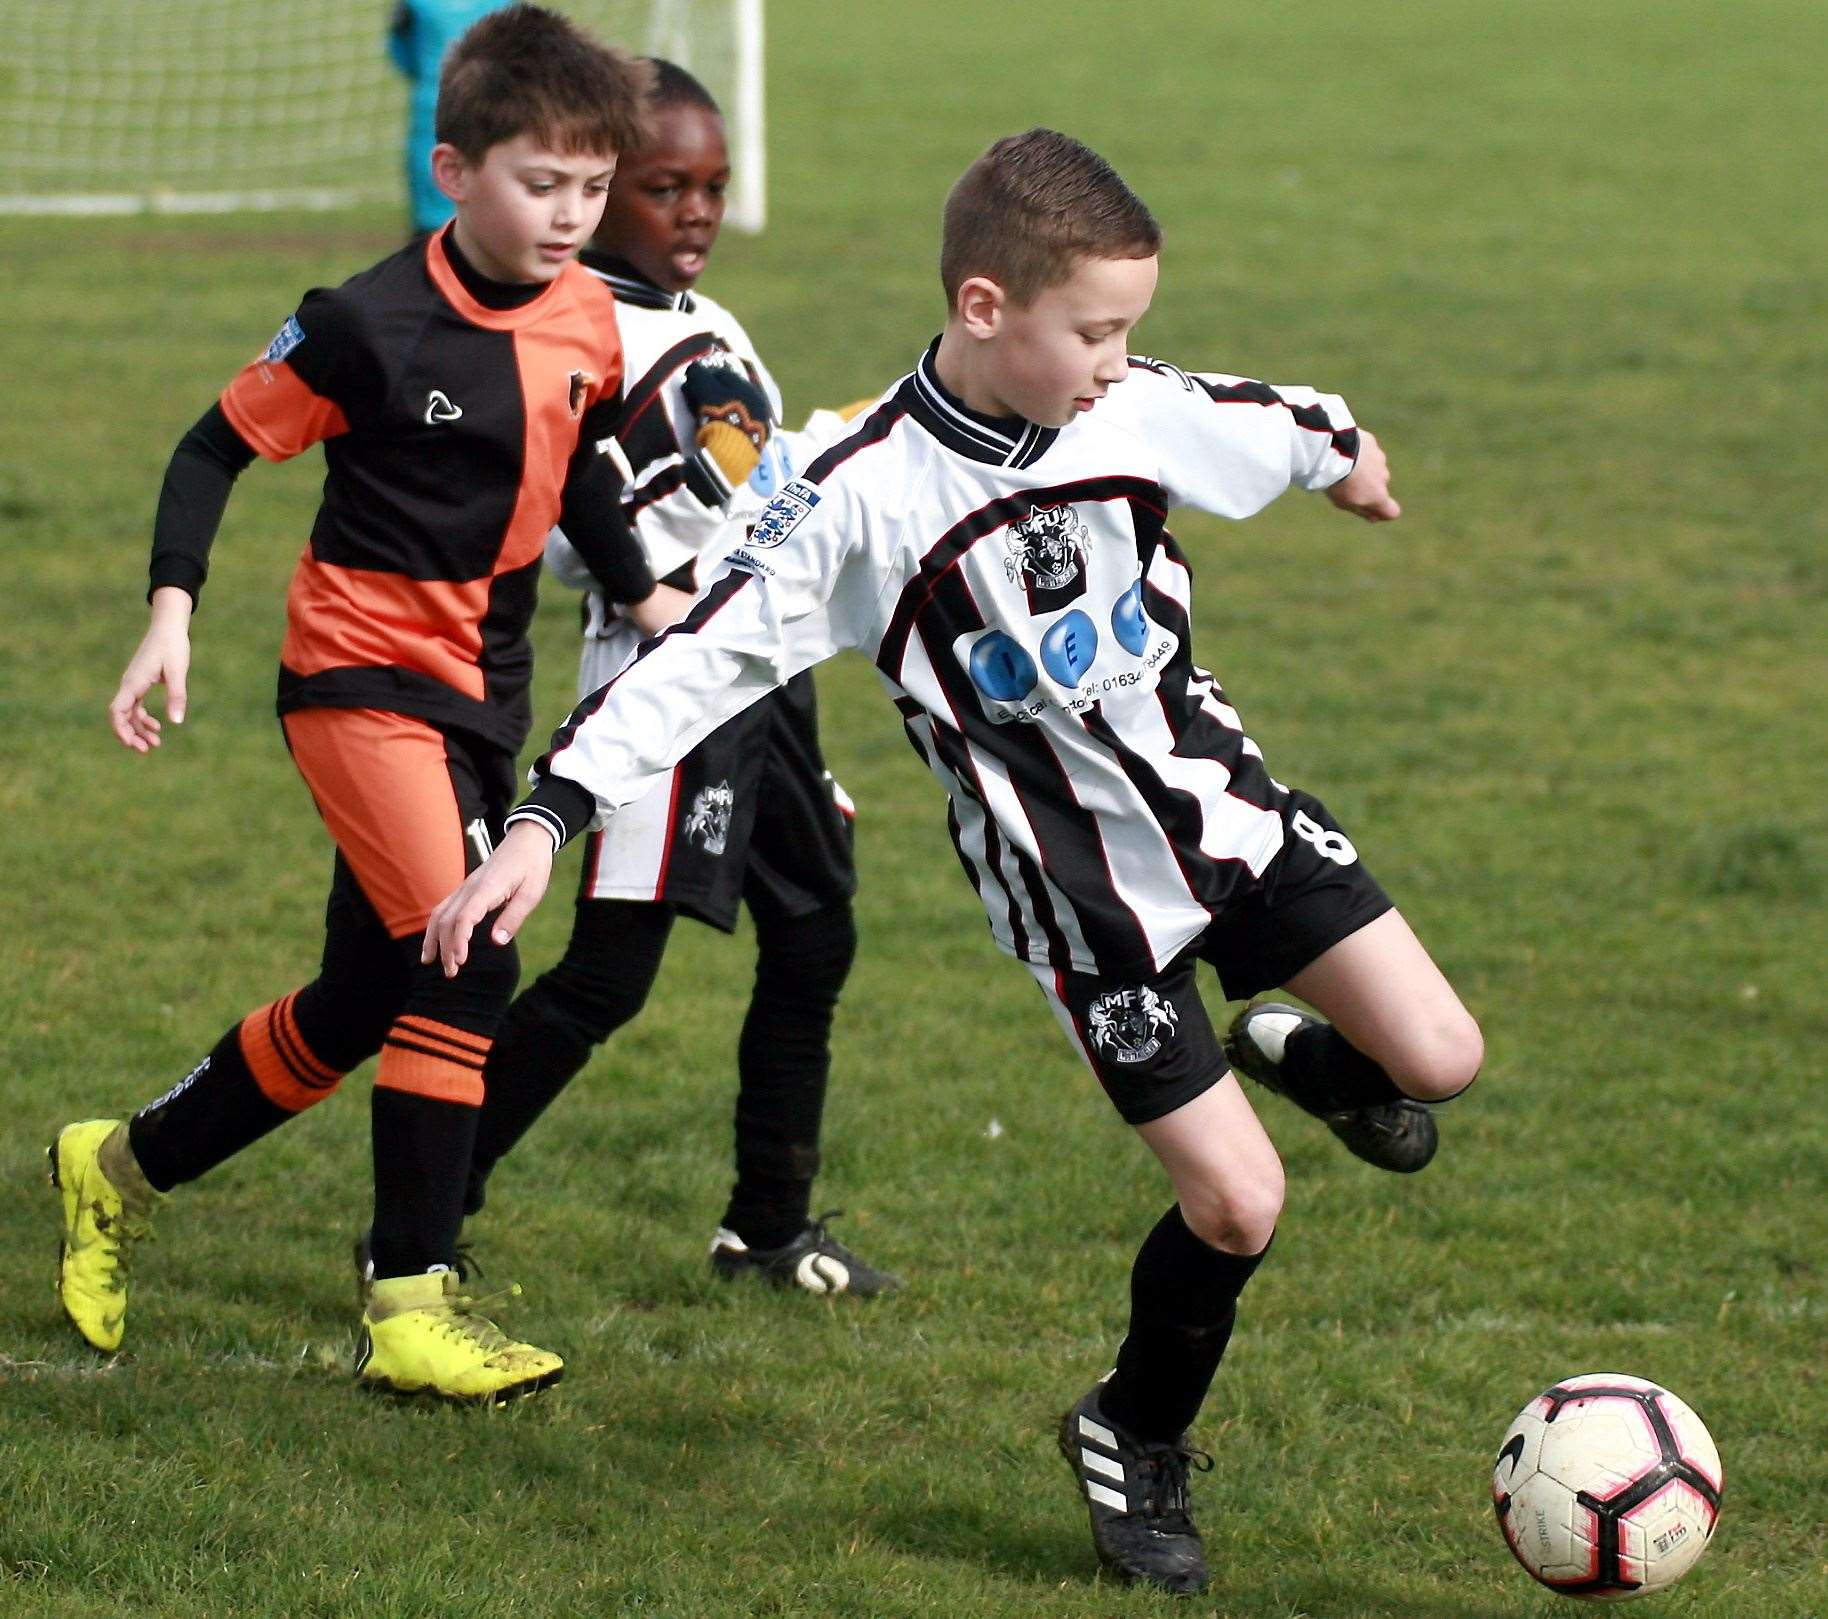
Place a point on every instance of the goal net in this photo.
(199, 106)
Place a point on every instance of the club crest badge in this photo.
(1046, 548)
(707, 822)
(581, 382)
(1131, 1025)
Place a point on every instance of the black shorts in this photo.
(750, 814)
(1149, 1041)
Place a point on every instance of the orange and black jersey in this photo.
(455, 434)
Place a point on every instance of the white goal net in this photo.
(190, 106)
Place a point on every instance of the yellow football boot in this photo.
(107, 1208)
(421, 1336)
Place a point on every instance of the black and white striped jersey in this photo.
(676, 500)
(1028, 611)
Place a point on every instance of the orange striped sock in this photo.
(289, 1074)
(434, 1059)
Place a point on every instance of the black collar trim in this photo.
(491, 294)
(631, 287)
(998, 441)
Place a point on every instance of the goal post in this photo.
(211, 106)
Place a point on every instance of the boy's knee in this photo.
(1239, 1217)
(1441, 1060)
(808, 956)
(592, 1000)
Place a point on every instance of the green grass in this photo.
(1560, 257)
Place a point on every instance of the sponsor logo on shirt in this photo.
(773, 470)
(1074, 654)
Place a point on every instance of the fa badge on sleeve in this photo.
(782, 515)
(285, 340)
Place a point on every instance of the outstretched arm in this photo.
(802, 590)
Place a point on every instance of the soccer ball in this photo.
(1607, 1486)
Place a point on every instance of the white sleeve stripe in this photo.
(542, 818)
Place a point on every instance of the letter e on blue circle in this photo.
(1070, 648)
(1000, 669)
(1128, 622)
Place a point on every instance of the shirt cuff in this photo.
(176, 570)
(559, 806)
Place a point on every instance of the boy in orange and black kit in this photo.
(460, 389)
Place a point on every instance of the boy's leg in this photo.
(283, 1057)
(413, 809)
(1320, 925)
(270, 1066)
(600, 983)
(798, 880)
(680, 847)
(1154, 1051)
(1399, 1039)
(783, 1064)
(1392, 1009)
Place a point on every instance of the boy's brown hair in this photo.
(1032, 206)
(528, 71)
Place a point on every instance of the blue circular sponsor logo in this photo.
(1128, 622)
(1070, 648)
(1000, 669)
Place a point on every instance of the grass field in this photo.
(1559, 255)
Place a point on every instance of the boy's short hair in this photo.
(528, 71)
(674, 87)
(1032, 206)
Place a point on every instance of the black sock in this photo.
(1324, 1072)
(1183, 1301)
(207, 1117)
(783, 1062)
(421, 1152)
(545, 1040)
(535, 1056)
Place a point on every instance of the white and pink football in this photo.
(1607, 1486)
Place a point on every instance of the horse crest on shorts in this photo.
(707, 822)
(1131, 1025)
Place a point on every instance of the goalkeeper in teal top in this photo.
(421, 33)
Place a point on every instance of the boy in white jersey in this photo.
(751, 816)
(992, 535)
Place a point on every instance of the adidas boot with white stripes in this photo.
(1136, 1492)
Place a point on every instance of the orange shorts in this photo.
(412, 808)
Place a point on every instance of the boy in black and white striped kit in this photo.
(993, 536)
(750, 817)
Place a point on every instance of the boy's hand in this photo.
(513, 880)
(163, 658)
(1365, 490)
(665, 606)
